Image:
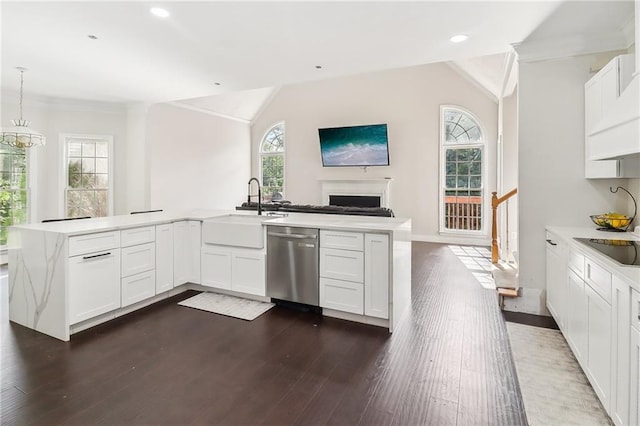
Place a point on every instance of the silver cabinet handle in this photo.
(293, 236)
(552, 243)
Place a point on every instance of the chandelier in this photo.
(20, 135)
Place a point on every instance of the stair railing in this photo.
(495, 202)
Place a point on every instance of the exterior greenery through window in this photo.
(13, 189)
(272, 162)
(463, 147)
(88, 177)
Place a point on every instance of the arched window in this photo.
(272, 163)
(462, 171)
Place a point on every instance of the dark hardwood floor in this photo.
(449, 363)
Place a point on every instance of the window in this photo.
(88, 176)
(13, 189)
(272, 163)
(462, 196)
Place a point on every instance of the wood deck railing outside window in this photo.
(463, 212)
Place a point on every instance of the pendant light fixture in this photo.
(20, 135)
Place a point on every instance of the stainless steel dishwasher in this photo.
(292, 264)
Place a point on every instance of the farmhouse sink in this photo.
(235, 230)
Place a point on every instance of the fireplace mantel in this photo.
(372, 187)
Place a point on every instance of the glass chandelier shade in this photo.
(20, 135)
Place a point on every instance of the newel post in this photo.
(494, 227)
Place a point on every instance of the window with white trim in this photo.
(88, 175)
(462, 172)
(272, 163)
(14, 194)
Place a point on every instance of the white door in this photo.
(556, 283)
(94, 284)
(634, 377)
(194, 239)
(599, 345)
(164, 257)
(620, 308)
(216, 267)
(577, 318)
(248, 272)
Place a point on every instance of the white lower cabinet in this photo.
(341, 295)
(376, 275)
(599, 346)
(248, 271)
(194, 241)
(216, 267)
(347, 265)
(94, 284)
(634, 378)
(186, 252)
(240, 270)
(621, 327)
(164, 257)
(138, 287)
(140, 258)
(557, 291)
(577, 320)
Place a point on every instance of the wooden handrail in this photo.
(495, 202)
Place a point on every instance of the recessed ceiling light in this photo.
(92, 37)
(159, 12)
(458, 38)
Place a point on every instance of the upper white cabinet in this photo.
(600, 96)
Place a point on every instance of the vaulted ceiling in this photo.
(212, 48)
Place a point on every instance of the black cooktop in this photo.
(622, 251)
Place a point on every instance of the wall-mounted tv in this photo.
(361, 146)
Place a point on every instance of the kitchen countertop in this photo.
(631, 273)
(112, 223)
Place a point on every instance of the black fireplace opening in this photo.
(354, 200)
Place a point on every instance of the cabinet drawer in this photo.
(138, 287)
(635, 309)
(342, 295)
(342, 264)
(598, 278)
(342, 240)
(83, 244)
(138, 259)
(135, 236)
(576, 263)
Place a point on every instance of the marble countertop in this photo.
(112, 223)
(631, 273)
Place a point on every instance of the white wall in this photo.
(509, 209)
(54, 117)
(552, 187)
(408, 100)
(196, 160)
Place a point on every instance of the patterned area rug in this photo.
(554, 388)
(227, 305)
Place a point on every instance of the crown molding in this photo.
(464, 74)
(206, 111)
(10, 97)
(540, 50)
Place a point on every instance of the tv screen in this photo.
(354, 146)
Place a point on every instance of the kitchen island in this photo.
(65, 277)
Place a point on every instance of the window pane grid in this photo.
(88, 178)
(462, 172)
(13, 189)
(272, 162)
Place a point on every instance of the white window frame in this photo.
(64, 175)
(443, 171)
(273, 154)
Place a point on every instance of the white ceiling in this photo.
(251, 45)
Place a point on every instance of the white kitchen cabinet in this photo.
(599, 346)
(180, 244)
(94, 284)
(186, 252)
(194, 241)
(376, 275)
(92, 243)
(136, 236)
(346, 265)
(342, 295)
(137, 259)
(577, 319)
(342, 240)
(248, 271)
(620, 328)
(557, 284)
(634, 377)
(216, 266)
(164, 257)
(138, 287)
(601, 92)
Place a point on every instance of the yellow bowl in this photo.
(609, 222)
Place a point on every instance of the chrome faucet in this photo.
(259, 195)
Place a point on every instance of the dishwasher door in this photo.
(292, 264)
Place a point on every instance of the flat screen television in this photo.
(361, 146)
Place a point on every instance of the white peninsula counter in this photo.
(68, 276)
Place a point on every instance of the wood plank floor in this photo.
(448, 364)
